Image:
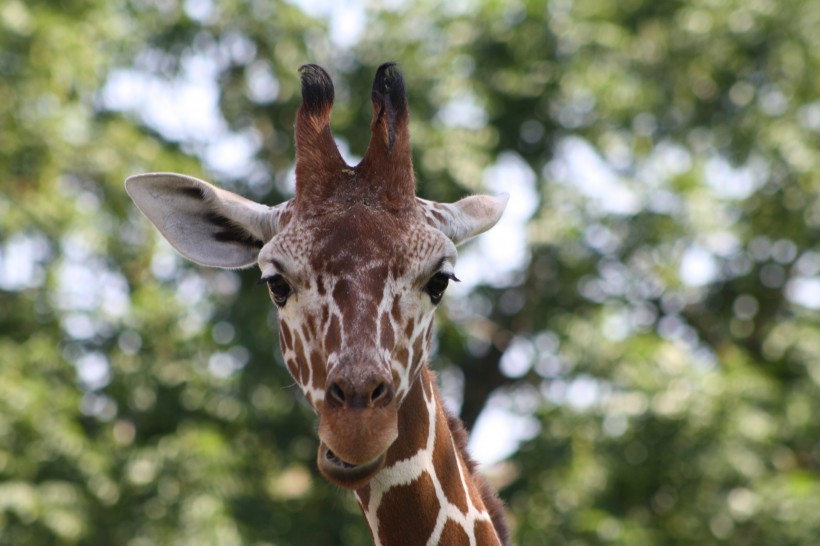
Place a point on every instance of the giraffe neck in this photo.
(428, 493)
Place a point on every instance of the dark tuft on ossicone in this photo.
(317, 89)
(390, 98)
(388, 87)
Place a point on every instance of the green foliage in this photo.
(664, 323)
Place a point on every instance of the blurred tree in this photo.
(659, 331)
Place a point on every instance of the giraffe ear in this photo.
(207, 225)
(465, 218)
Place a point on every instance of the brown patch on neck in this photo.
(363, 494)
(446, 463)
(453, 533)
(485, 532)
(414, 426)
(408, 512)
(488, 497)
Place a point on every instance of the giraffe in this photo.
(355, 264)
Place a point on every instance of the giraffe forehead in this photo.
(358, 244)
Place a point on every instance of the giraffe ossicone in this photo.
(356, 265)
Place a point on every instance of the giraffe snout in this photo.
(357, 424)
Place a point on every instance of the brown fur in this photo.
(488, 496)
(365, 209)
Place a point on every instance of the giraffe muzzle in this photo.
(358, 423)
(356, 437)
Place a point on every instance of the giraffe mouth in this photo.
(345, 474)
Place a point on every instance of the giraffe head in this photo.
(354, 263)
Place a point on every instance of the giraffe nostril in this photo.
(337, 393)
(371, 392)
(379, 392)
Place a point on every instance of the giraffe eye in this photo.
(279, 289)
(437, 284)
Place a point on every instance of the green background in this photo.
(662, 333)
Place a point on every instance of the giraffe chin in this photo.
(344, 474)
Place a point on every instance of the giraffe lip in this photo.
(332, 458)
(345, 474)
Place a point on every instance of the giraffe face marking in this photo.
(356, 325)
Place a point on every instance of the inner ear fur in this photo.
(466, 218)
(206, 224)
